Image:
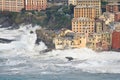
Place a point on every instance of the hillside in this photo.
(55, 17)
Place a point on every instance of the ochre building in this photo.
(35, 4)
(83, 25)
(95, 3)
(85, 11)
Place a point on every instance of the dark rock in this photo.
(5, 40)
(31, 32)
(69, 58)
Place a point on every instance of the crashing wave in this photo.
(23, 55)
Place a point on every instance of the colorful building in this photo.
(18, 5)
(95, 3)
(83, 25)
(35, 4)
(85, 11)
(116, 40)
(73, 2)
(99, 41)
(11, 5)
(95, 41)
(112, 7)
(70, 40)
(117, 16)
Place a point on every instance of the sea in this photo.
(21, 59)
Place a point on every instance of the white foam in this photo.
(24, 45)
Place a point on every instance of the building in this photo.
(83, 25)
(117, 17)
(99, 41)
(35, 4)
(95, 41)
(85, 11)
(11, 5)
(73, 2)
(112, 7)
(99, 26)
(95, 3)
(18, 5)
(70, 40)
(116, 40)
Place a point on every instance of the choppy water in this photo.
(21, 60)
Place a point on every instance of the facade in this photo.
(18, 5)
(116, 40)
(35, 4)
(112, 7)
(73, 2)
(85, 11)
(11, 5)
(99, 26)
(96, 41)
(83, 25)
(70, 40)
(99, 41)
(117, 16)
(95, 3)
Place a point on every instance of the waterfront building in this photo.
(116, 40)
(11, 5)
(35, 4)
(70, 40)
(85, 11)
(95, 41)
(83, 25)
(99, 41)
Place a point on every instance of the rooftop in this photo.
(85, 6)
(82, 19)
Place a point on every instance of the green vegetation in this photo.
(104, 2)
(55, 17)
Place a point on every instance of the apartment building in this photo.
(11, 5)
(83, 25)
(85, 11)
(18, 5)
(35, 4)
(95, 3)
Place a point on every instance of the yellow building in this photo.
(73, 2)
(70, 40)
(99, 41)
(83, 25)
(85, 11)
(95, 3)
(95, 41)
